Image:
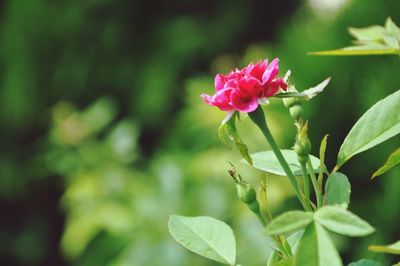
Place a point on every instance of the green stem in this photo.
(261, 218)
(306, 183)
(285, 245)
(258, 118)
(263, 202)
(280, 240)
(314, 181)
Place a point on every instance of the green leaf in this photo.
(379, 123)
(372, 40)
(392, 28)
(234, 136)
(391, 249)
(99, 114)
(294, 241)
(223, 135)
(365, 262)
(337, 190)
(392, 161)
(276, 259)
(205, 236)
(322, 149)
(316, 248)
(306, 94)
(267, 162)
(341, 221)
(353, 50)
(289, 222)
(371, 33)
(286, 262)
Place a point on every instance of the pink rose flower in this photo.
(241, 90)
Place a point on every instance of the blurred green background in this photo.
(104, 135)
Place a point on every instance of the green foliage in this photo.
(365, 262)
(356, 50)
(152, 166)
(305, 95)
(289, 222)
(284, 262)
(342, 222)
(379, 123)
(391, 249)
(337, 190)
(276, 258)
(97, 171)
(266, 161)
(205, 236)
(392, 161)
(316, 248)
(322, 150)
(372, 40)
(228, 133)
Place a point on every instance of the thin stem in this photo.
(258, 118)
(306, 183)
(263, 202)
(261, 218)
(335, 169)
(280, 240)
(318, 191)
(285, 245)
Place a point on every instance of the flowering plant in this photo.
(301, 236)
(243, 90)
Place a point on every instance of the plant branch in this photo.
(306, 183)
(258, 118)
(317, 189)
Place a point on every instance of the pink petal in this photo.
(271, 71)
(219, 82)
(257, 70)
(207, 99)
(249, 86)
(222, 98)
(243, 103)
(274, 86)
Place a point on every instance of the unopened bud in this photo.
(246, 192)
(295, 107)
(302, 146)
(296, 112)
(248, 195)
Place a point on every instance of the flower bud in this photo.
(245, 191)
(302, 146)
(248, 195)
(295, 107)
(296, 112)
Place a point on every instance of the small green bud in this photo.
(296, 112)
(302, 159)
(246, 192)
(302, 147)
(248, 195)
(295, 107)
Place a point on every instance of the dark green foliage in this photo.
(110, 187)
